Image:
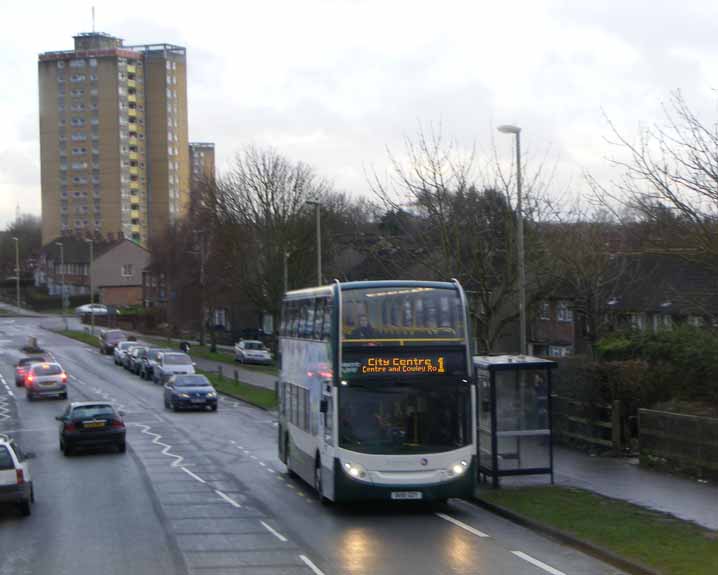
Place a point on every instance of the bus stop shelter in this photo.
(514, 416)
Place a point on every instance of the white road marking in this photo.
(226, 497)
(274, 532)
(270, 470)
(537, 563)
(156, 441)
(197, 477)
(463, 525)
(263, 464)
(311, 565)
(253, 456)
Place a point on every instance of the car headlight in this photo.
(183, 395)
(457, 468)
(354, 470)
(211, 394)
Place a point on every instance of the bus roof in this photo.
(344, 286)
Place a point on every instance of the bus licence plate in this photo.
(406, 495)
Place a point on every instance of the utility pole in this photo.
(92, 285)
(203, 315)
(317, 204)
(520, 240)
(286, 271)
(17, 272)
(62, 274)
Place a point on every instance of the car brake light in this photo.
(20, 476)
(117, 424)
(20, 370)
(63, 377)
(30, 378)
(70, 426)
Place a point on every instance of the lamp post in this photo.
(515, 130)
(17, 271)
(92, 285)
(317, 204)
(62, 275)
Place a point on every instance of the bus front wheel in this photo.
(318, 483)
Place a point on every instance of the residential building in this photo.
(113, 139)
(201, 163)
(117, 273)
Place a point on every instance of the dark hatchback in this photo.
(91, 424)
(109, 339)
(190, 392)
(23, 365)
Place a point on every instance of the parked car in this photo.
(121, 349)
(190, 392)
(135, 357)
(15, 478)
(149, 362)
(91, 308)
(252, 351)
(22, 366)
(127, 357)
(171, 363)
(45, 380)
(91, 424)
(109, 339)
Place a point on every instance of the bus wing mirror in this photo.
(323, 406)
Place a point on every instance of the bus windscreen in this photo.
(402, 315)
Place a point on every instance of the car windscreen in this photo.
(177, 359)
(6, 461)
(46, 369)
(192, 381)
(254, 345)
(90, 411)
(154, 353)
(115, 337)
(28, 360)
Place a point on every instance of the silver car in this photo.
(46, 380)
(121, 349)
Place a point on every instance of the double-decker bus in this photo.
(375, 393)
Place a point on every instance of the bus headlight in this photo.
(354, 470)
(458, 468)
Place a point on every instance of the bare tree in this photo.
(452, 219)
(670, 180)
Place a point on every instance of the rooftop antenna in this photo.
(93, 19)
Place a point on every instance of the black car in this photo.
(136, 357)
(91, 424)
(190, 392)
(109, 338)
(23, 365)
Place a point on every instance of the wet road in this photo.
(205, 493)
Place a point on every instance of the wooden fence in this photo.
(685, 442)
(588, 423)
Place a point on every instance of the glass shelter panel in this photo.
(522, 419)
(484, 417)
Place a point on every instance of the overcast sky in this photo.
(335, 83)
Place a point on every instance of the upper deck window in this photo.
(402, 315)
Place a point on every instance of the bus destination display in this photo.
(368, 364)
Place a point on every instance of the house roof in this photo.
(77, 250)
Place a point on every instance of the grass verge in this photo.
(259, 396)
(80, 336)
(654, 539)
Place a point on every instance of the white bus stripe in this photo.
(537, 563)
(463, 525)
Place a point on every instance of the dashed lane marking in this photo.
(463, 525)
(274, 532)
(224, 496)
(311, 565)
(537, 563)
(195, 476)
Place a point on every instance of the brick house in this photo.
(117, 273)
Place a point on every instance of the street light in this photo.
(317, 204)
(509, 129)
(62, 274)
(17, 271)
(92, 285)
